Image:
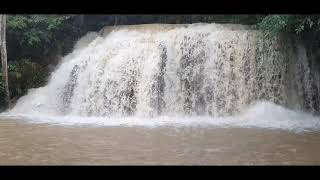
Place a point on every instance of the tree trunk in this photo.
(81, 20)
(3, 51)
(115, 20)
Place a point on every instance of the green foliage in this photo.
(23, 75)
(271, 25)
(31, 36)
(33, 30)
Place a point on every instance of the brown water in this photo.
(24, 143)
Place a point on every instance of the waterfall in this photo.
(210, 70)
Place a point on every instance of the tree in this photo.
(3, 51)
(271, 25)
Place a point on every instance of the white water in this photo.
(153, 75)
(261, 115)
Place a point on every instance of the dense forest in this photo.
(35, 43)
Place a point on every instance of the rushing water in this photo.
(171, 94)
(210, 74)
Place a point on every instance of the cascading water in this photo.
(154, 74)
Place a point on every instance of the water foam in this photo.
(261, 115)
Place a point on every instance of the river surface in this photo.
(25, 143)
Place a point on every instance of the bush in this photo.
(23, 75)
(271, 25)
(36, 36)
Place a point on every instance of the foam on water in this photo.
(261, 115)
